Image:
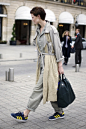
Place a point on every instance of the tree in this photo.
(13, 33)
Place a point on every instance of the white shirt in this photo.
(66, 42)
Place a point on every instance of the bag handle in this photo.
(61, 77)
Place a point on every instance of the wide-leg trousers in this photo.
(37, 96)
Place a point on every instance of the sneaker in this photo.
(19, 116)
(56, 116)
(64, 63)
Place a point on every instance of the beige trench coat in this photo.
(50, 74)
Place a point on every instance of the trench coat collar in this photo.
(46, 28)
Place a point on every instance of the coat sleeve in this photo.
(77, 40)
(57, 45)
(70, 39)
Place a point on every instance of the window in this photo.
(0, 28)
(1, 9)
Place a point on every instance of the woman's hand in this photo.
(72, 46)
(68, 37)
(60, 68)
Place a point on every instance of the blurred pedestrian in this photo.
(78, 47)
(49, 56)
(64, 33)
(66, 47)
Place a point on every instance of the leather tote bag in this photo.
(65, 93)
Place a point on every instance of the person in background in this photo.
(63, 34)
(66, 47)
(78, 47)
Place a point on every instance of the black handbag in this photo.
(65, 93)
(72, 50)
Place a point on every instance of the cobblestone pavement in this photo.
(14, 95)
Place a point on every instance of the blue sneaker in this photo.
(56, 116)
(19, 116)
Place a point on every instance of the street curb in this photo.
(17, 60)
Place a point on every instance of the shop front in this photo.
(23, 25)
(81, 24)
(3, 21)
(0, 28)
(18, 13)
(50, 16)
(65, 21)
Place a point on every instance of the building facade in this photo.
(63, 14)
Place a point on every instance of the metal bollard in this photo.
(0, 56)
(77, 68)
(20, 55)
(11, 74)
(6, 75)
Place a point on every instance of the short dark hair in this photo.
(78, 30)
(38, 11)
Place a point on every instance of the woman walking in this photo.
(49, 67)
(66, 47)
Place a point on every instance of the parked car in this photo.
(84, 43)
(73, 41)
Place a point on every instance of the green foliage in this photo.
(3, 42)
(13, 33)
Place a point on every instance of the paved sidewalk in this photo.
(19, 52)
(14, 95)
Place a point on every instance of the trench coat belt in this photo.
(41, 56)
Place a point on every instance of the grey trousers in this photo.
(37, 96)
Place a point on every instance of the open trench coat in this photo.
(53, 55)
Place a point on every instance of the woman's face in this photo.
(35, 19)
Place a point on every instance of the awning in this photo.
(66, 17)
(81, 19)
(23, 13)
(1, 3)
(3, 15)
(50, 16)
